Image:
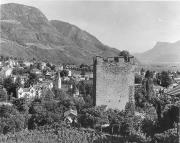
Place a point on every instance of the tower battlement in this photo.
(117, 60)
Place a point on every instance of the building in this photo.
(36, 71)
(6, 71)
(26, 92)
(174, 92)
(27, 63)
(58, 82)
(69, 73)
(38, 90)
(23, 78)
(75, 92)
(70, 116)
(113, 81)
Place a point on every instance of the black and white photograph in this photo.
(89, 71)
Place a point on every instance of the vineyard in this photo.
(50, 135)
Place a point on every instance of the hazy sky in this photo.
(135, 26)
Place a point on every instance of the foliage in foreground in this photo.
(169, 136)
(54, 134)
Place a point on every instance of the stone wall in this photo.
(113, 82)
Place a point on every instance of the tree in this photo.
(149, 74)
(142, 71)
(165, 79)
(129, 109)
(91, 117)
(32, 79)
(18, 82)
(39, 66)
(138, 79)
(64, 73)
(45, 113)
(125, 54)
(168, 136)
(170, 117)
(18, 71)
(147, 87)
(148, 126)
(139, 98)
(53, 67)
(21, 105)
(10, 119)
(10, 86)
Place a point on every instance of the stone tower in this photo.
(113, 81)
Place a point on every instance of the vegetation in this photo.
(153, 118)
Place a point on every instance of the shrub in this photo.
(169, 136)
(10, 119)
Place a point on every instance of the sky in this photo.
(135, 26)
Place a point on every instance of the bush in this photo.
(45, 113)
(10, 120)
(169, 136)
(138, 138)
(148, 127)
(138, 79)
(52, 134)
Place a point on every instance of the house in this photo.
(12, 63)
(66, 79)
(27, 63)
(26, 92)
(59, 68)
(70, 116)
(70, 66)
(46, 84)
(36, 71)
(69, 73)
(43, 65)
(91, 76)
(7, 71)
(177, 79)
(1, 64)
(174, 91)
(31, 92)
(37, 90)
(75, 92)
(23, 78)
(82, 78)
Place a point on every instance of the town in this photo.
(44, 93)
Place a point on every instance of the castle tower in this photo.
(113, 82)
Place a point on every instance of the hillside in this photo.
(161, 53)
(27, 33)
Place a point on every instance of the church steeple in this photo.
(59, 81)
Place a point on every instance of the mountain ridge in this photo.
(162, 52)
(26, 28)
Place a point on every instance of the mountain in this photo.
(27, 33)
(162, 52)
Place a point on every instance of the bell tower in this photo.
(58, 81)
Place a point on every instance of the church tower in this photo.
(58, 81)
